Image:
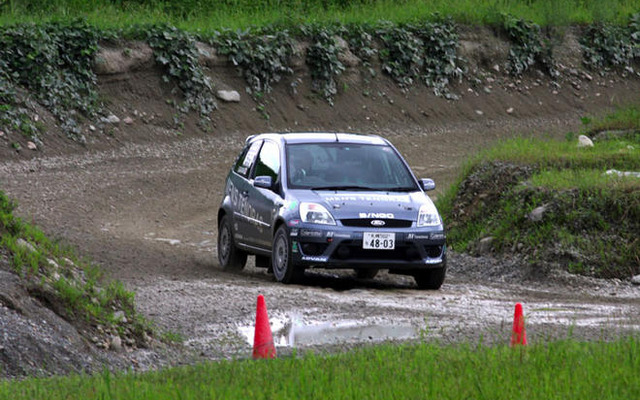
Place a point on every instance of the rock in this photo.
(208, 56)
(110, 61)
(92, 128)
(496, 68)
(537, 213)
(31, 146)
(25, 245)
(485, 245)
(2, 134)
(111, 119)
(584, 141)
(636, 280)
(128, 120)
(479, 112)
(345, 56)
(115, 343)
(229, 96)
(118, 315)
(623, 173)
(510, 110)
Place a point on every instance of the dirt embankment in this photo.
(140, 197)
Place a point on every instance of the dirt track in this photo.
(146, 213)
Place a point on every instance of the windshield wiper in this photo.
(343, 188)
(399, 189)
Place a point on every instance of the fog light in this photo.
(343, 252)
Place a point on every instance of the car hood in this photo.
(369, 204)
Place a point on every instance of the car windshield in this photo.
(347, 166)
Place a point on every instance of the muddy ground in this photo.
(141, 201)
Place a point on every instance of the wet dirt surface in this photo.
(147, 214)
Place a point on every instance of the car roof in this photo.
(320, 137)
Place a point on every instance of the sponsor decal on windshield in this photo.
(378, 198)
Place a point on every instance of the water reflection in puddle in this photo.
(291, 332)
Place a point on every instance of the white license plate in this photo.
(379, 240)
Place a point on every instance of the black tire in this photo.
(283, 268)
(430, 279)
(230, 257)
(368, 273)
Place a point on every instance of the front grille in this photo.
(366, 223)
(354, 251)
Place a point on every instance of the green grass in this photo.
(584, 179)
(566, 154)
(205, 16)
(557, 370)
(624, 118)
(49, 267)
(591, 220)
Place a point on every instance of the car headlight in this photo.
(315, 214)
(428, 216)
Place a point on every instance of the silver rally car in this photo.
(329, 200)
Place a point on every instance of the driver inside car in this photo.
(301, 162)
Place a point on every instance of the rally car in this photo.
(329, 200)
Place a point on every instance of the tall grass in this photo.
(207, 15)
(557, 370)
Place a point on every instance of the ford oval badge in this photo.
(377, 222)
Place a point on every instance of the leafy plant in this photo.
(54, 61)
(607, 45)
(528, 47)
(440, 62)
(323, 62)
(361, 43)
(261, 59)
(176, 51)
(401, 53)
(426, 51)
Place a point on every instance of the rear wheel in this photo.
(430, 279)
(231, 258)
(283, 268)
(369, 273)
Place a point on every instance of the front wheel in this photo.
(430, 279)
(230, 257)
(283, 268)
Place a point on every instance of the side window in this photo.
(246, 159)
(268, 161)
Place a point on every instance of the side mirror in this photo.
(264, 182)
(427, 184)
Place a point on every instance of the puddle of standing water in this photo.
(291, 332)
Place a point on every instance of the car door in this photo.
(266, 201)
(238, 188)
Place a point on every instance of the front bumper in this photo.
(342, 247)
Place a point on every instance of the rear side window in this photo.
(269, 161)
(246, 159)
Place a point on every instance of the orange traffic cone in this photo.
(263, 346)
(519, 334)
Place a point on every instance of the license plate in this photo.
(379, 241)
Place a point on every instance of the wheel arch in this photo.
(279, 222)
